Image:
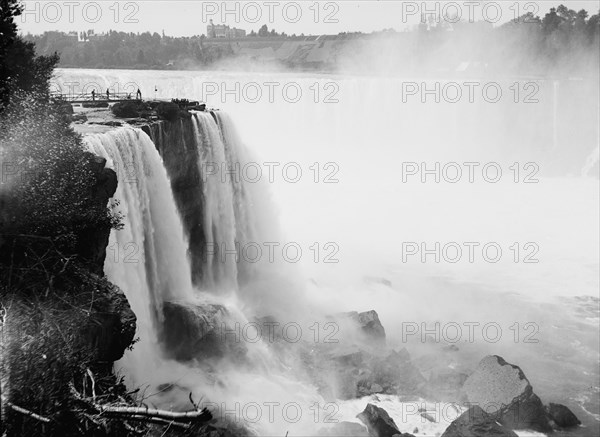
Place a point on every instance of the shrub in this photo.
(49, 178)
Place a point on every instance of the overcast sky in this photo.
(187, 18)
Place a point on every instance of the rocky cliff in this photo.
(176, 143)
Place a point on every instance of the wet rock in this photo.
(397, 375)
(201, 331)
(92, 240)
(503, 391)
(176, 143)
(359, 373)
(562, 416)
(369, 324)
(477, 423)
(379, 423)
(112, 321)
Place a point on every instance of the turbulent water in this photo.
(367, 212)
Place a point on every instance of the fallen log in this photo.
(158, 421)
(28, 413)
(188, 416)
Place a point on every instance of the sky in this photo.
(188, 18)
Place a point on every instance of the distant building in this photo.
(84, 36)
(223, 31)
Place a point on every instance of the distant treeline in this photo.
(533, 44)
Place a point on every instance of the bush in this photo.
(50, 180)
(168, 111)
(50, 360)
(130, 109)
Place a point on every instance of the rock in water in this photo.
(379, 423)
(477, 423)
(201, 331)
(562, 416)
(369, 324)
(503, 391)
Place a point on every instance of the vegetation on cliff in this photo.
(62, 322)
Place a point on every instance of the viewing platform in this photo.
(97, 97)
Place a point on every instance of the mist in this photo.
(408, 170)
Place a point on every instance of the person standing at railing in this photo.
(94, 95)
(107, 94)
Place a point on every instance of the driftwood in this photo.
(189, 416)
(28, 413)
(147, 419)
(145, 414)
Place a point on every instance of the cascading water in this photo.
(147, 258)
(220, 199)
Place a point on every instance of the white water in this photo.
(147, 258)
(370, 212)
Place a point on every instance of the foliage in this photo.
(20, 69)
(48, 356)
(50, 181)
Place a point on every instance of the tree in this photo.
(20, 68)
(263, 31)
(141, 59)
(551, 21)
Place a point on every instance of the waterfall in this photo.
(229, 228)
(147, 258)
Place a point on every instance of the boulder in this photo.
(397, 375)
(112, 322)
(359, 373)
(379, 423)
(201, 331)
(477, 423)
(562, 416)
(502, 390)
(369, 324)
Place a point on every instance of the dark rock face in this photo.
(113, 323)
(93, 240)
(562, 416)
(501, 389)
(176, 143)
(477, 423)
(379, 423)
(112, 327)
(201, 331)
